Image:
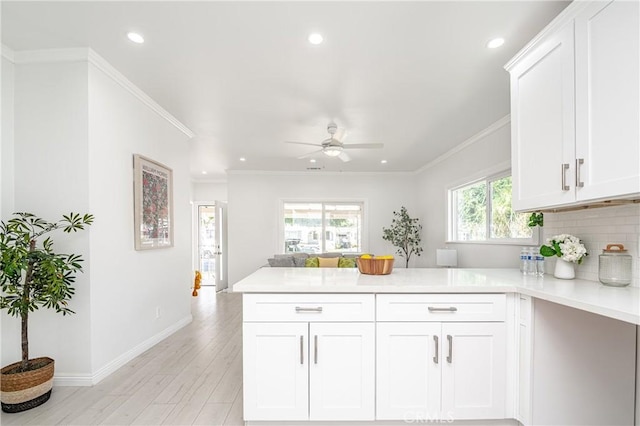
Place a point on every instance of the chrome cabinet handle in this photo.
(318, 309)
(435, 358)
(579, 183)
(449, 309)
(315, 349)
(301, 350)
(563, 172)
(450, 356)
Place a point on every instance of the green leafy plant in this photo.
(33, 276)
(404, 233)
(536, 219)
(566, 247)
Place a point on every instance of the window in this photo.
(481, 211)
(323, 227)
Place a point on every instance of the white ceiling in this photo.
(242, 76)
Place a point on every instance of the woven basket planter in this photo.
(26, 390)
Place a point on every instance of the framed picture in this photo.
(153, 204)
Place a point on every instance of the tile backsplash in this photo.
(596, 228)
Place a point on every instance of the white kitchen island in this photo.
(477, 346)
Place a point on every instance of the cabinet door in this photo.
(473, 370)
(342, 371)
(542, 124)
(409, 355)
(608, 99)
(276, 380)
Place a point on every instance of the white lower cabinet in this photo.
(342, 371)
(325, 358)
(309, 366)
(441, 370)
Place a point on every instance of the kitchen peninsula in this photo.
(333, 345)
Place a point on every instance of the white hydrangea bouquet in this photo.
(566, 247)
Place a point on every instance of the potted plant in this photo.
(34, 276)
(569, 250)
(404, 233)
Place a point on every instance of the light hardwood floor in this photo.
(194, 377)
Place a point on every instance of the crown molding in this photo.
(315, 173)
(7, 53)
(473, 139)
(90, 56)
(564, 18)
(104, 66)
(79, 54)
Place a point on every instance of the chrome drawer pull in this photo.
(301, 350)
(449, 309)
(435, 358)
(563, 169)
(318, 309)
(315, 349)
(450, 356)
(579, 183)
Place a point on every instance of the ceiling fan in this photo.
(333, 146)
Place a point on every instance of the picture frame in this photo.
(153, 204)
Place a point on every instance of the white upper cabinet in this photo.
(575, 109)
(607, 100)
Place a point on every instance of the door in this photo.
(276, 379)
(473, 370)
(342, 371)
(206, 237)
(542, 124)
(409, 355)
(608, 99)
(220, 253)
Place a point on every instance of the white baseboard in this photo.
(63, 379)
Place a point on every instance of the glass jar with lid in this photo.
(615, 266)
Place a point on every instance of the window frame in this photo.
(488, 178)
(362, 202)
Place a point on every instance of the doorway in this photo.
(206, 262)
(211, 243)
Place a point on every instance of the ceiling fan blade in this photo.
(303, 143)
(362, 145)
(310, 154)
(344, 157)
(341, 134)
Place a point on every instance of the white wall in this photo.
(208, 191)
(488, 152)
(6, 145)
(254, 208)
(128, 286)
(51, 170)
(77, 127)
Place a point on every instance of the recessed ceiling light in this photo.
(204, 172)
(313, 160)
(135, 37)
(383, 161)
(243, 159)
(496, 42)
(315, 38)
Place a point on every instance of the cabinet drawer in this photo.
(441, 307)
(308, 307)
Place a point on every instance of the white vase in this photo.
(564, 270)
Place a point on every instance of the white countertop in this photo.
(619, 303)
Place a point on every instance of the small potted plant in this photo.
(569, 251)
(404, 233)
(34, 276)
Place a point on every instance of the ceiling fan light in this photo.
(332, 151)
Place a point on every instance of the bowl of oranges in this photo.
(375, 265)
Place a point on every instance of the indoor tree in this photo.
(404, 233)
(32, 275)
